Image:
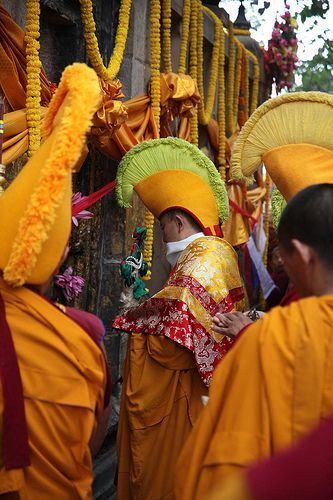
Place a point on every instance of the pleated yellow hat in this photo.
(292, 135)
(171, 173)
(35, 221)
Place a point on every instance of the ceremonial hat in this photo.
(35, 221)
(292, 135)
(171, 173)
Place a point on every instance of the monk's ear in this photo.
(304, 252)
(180, 222)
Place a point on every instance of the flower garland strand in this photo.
(33, 93)
(166, 25)
(246, 85)
(267, 216)
(239, 61)
(205, 112)
(155, 94)
(221, 110)
(255, 84)
(89, 29)
(184, 38)
(194, 66)
(231, 79)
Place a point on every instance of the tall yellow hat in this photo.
(171, 173)
(292, 135)
(35, 220)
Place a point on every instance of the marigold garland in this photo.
(194, 66)
(155, 94)
(237, 83)
(246, 85)
(267, 215)
(221, 110)
(255, 84)
(89, 29)
(184, 38)
(205, 112)
(33, 93)
(166, 25)
(231, 80)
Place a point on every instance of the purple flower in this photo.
(84, 214)
(71, 285)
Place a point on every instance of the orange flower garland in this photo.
(89, 29)
(184, 37)
(255, 84)
(237, 84)
(166, 24)
(205, 112)
(221, 110)
(194, 66)
(33, 75)
(231, 79)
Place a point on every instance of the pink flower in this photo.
(293, 42)
(275, 33)
(84, 214)
(283, 42)
(71, 285)
(278, 57)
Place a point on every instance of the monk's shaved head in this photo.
(308, 218)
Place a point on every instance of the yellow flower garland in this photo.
(166, 24)
(194, 66)
(205, 112)
(237, 84)
(33, 75)
(231, 80)
(89, 29)
(246, 85)
(221, 109)
(255, 84)
(267, 216)
(184, 37)
(155, 57)
(155, 94)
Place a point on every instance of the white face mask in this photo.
(175, 248)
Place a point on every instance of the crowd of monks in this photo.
(216, 403)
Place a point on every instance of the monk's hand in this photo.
(230, 324)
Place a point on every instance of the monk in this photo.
(274, 386)
(172, 350)
(53, 372)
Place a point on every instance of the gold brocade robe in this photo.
(169, 365)
(273, 388)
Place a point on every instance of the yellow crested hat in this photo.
(171, 173)
(35, 209)
(292, 135)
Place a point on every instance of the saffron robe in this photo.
(169, 365)
(64, 375)
(272, 388)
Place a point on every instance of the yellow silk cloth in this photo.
(272, 388)
(64, 375)
(161, 401)
(236, 228)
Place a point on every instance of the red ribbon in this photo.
(241, 211)
(93, 197)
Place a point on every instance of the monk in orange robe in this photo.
(173, 350)
(274, 386)
(53, 372)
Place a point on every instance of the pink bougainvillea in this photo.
(281, 55)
